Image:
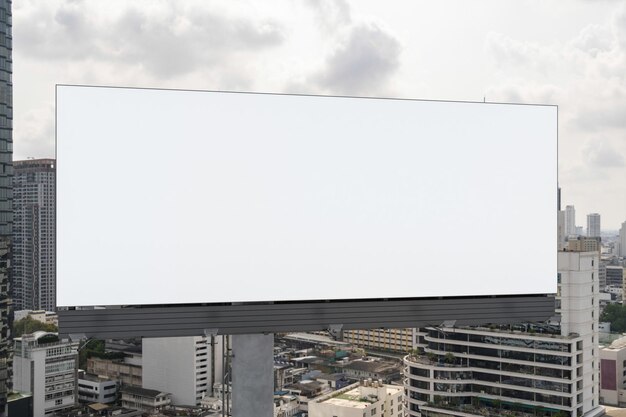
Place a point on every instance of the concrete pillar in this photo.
(253, 375)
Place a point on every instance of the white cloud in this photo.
(341, 47)
(586, 77)
(361, 64)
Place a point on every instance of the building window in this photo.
(373, 411)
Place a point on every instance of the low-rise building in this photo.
(121, 370)
(46, 317)
(372, 368)
(367, 398)
(285, 405)
(395, 340)
(95, 389)
(613, 373)
(144, 399)
(46, 367)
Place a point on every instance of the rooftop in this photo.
(376, 366)
(143, 392)
(306, 387)
(94, 378)
(357, 398)
(331, 377)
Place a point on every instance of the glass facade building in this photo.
(33, 271)
(6, 196)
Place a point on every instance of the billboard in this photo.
(182, 197)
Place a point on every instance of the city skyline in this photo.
(356, 48)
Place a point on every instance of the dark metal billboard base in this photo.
(248, 318)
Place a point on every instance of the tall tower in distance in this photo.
(622, 240)
(593, 225)
(34, 239)
(6, 197)
(570, 221)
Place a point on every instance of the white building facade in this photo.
(367, 398)
(48, 370)
(570, 221)
(93, 389)
(533, 369)
(186, 367)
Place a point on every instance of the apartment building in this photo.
(534, 369)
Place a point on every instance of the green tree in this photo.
(616, 315)
(29, 325)
(93, 347)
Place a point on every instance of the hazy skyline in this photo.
(535, 51)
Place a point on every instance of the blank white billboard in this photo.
(170, 197)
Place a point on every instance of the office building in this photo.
(367, 398)
(185, 367)
(593, 225)
(622, 240)
(6, 195)
(532, 369)
(613, 373)
(615, 275)
(395, 340)
(570, 221)
(34, 207)
(46, 367)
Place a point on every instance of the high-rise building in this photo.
(48, 368)
(186, 367)
(34, 237)
(570, 221)
(561, 236)
(6, 195)
(533, 369)
(622, 240)
(593, 225)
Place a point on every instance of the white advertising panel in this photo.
(175, 197)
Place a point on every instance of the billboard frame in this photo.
(119, 322)
(178, 320)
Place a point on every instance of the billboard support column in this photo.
(252, 375)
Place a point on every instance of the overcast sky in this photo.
(570, 53)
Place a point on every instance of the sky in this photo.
(572, 54)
